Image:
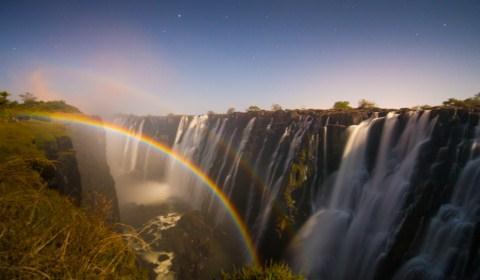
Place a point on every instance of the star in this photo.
(179, 15)
(445, 25)
(227, 17)
(14, 49)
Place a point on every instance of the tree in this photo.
(28, 97)
(4, 98)
(276, 107)
(231, 110)
(210, 113)
(253, 108)
(472, 102)
(366, 104)
(342, 105)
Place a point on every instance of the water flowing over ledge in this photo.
(340, 195)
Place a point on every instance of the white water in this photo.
(154, 228)
(228, 183)
(352, 229)
(188, 143)
(444, 251)
(278, 166)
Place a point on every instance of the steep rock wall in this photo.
(283, 169)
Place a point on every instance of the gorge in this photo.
(337, 194)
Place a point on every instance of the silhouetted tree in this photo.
(342, 105)
(276, 107)
(4, 98)
(366, 104)
(253, 108)
(28, 97)
(472, 102)
(231, 110)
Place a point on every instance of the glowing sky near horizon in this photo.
(157, 57)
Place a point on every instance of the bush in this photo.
(472, 102)
(270, 271)
(276, 107)
(342, 105)
(366, 104)
(253, 108)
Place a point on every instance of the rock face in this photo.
(81, 171)
(65, 178)
(98, 186)
(284, 170)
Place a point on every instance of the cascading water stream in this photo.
(275, 183)
(353, 188)
(228, 183)
(355, 225)
(445, 249)
(256, 167)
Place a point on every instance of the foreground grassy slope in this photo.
(43, 234)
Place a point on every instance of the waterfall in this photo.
(360, 216)
(344, 195)
(256, 170)
(279, 164)
(136, 143)
(189, 142)
(222, 167)
(444, 252)
(228, 183)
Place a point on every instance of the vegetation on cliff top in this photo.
(9, 109)
(469, 103)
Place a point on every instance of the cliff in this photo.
(282, 169)
(43, 231)
(98, 186)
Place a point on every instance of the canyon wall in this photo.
(338, 194)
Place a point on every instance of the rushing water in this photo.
(361, 187)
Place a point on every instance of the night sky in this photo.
(157, 57)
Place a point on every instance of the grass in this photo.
(271, 271)
(27, 138)
(43, 235)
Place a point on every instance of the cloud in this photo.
(93, 92)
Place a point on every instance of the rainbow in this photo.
(213, 187)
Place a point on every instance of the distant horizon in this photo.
(353, 106)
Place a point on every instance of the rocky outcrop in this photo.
(65, 176)
(98, 186)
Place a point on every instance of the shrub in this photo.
(270, 271)
(366, 104)
(342, 105)
(253, 108)
(276, 107)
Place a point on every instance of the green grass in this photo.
(43, 235)
(27, 138)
